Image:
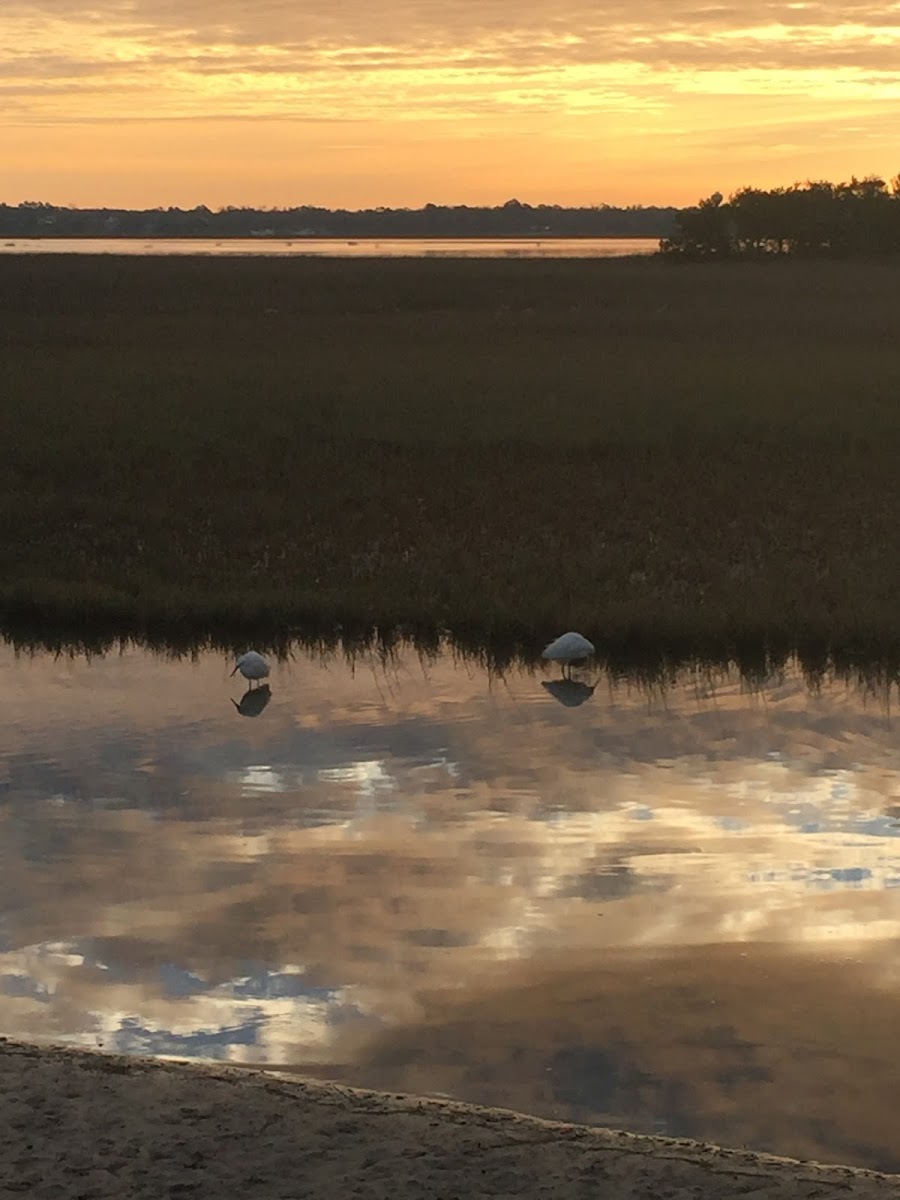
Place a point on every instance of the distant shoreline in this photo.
(512, 219)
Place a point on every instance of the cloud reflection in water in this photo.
(665, 910)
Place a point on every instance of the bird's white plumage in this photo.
(252, 666)
(569, 647)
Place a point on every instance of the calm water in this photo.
(672, 912)
(342, 248)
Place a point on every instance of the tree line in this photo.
(512, 219)
(808, 220)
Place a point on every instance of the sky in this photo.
(362, 103)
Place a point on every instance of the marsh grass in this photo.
(675, 460)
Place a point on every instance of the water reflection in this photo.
(253, 701)
(570, 692)
(673, 910)
(310, 247)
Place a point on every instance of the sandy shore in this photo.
(82, 1125)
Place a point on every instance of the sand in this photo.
(79, 1124)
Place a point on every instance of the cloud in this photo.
(468, 42)
(634, 78)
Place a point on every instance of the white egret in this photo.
(252, 666)
(567, 649)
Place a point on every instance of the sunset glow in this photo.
(158, 102)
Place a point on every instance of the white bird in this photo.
(252, 666)
(567, 649)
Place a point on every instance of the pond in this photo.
(670, 910)
(308, 247)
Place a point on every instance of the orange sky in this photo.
(368, 102)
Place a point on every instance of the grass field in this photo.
(670, 459)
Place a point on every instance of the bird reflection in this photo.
(253, 701)
(570, 692)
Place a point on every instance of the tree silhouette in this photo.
(512, 219)
(816, 219)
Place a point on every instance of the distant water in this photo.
(675, 911)
(342, 247)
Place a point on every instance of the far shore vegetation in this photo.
(816, 219)
(674, 462)
(36, 219)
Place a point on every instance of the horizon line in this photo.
(512, 203)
